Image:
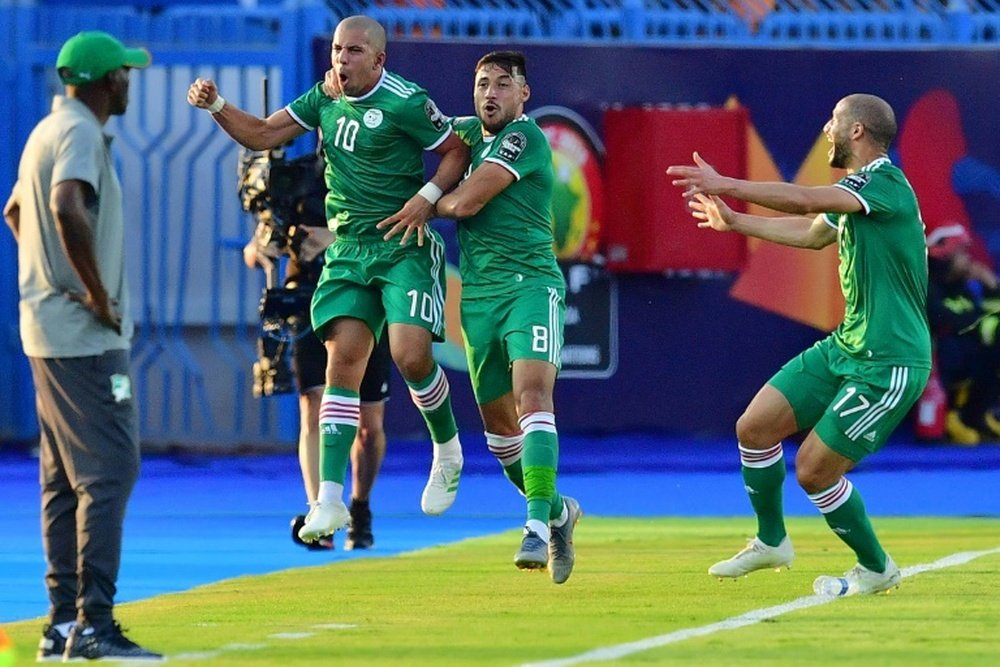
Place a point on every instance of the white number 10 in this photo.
(422, 301)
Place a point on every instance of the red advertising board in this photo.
(649, 227)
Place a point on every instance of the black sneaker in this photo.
(359, 533)
(51, 646)
(322, 544)
(108, 644)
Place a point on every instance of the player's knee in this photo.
(534, 400)
(750, 432)
(812, 478)
(369, 434)
(413, 365)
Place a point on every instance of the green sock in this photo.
(539, 462)
(432, 396)
(508, 450)
(763, 477)
(844, 511)
(514, 473)
(338, 425)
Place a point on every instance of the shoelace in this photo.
(559, 545)
(438, 472)
(753, 546)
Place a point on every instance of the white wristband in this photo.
(216, 106)
(430, 192)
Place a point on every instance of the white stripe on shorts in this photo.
(437, 260)
(555, 348)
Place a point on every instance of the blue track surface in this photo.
(195, 520)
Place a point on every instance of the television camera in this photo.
(283, 196)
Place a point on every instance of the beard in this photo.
(841, 155)
(496, 123)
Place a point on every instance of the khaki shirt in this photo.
(68, 144)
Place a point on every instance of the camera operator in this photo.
(305, 250)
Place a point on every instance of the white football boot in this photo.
(324, 519)
(442, 486)
(756, 556)
(859, 581)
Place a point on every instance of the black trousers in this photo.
(88, 465)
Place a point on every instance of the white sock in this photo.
(448, 451)
(539, 529)
(330, 492)
(563, 518)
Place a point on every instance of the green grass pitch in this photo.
(635, 579)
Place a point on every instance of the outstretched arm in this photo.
(249, 131)
(786, 197)
(418, 210)
(798, 232)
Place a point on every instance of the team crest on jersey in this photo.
(857, 181)
(512, 146)
(434, 115)
(372, 118)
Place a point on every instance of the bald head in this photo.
(371, 28)
(357, 55)
(875, 114)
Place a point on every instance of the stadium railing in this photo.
(780, 23)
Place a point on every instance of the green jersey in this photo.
(508, 244)
(374, 147)
(883, 270)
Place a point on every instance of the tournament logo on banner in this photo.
(578, 192)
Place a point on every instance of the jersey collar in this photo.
(371, 92)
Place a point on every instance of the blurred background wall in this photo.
(670, 329)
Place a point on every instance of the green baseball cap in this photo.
(90, 56)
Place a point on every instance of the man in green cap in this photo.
(66, 215)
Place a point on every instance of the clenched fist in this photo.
(202, 93)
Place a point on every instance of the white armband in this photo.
(430, 192)
(216, 106)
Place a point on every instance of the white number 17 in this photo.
(862, 403)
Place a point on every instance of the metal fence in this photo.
(761, 23)
(194, 301)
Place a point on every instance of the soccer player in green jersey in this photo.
(513, 301)
(374, 134)
(854, 387)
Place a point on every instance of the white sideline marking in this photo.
(206, 655)
(749, 618)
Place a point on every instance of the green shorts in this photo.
(527, 324)
(379, 282)
(853, 406)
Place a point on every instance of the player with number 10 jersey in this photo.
(374, 145)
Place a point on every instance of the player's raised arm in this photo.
(702, 178)
(248, 130)
(796, 231)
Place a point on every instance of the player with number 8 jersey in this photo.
(513, 301)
